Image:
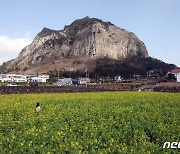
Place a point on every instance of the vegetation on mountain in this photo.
(107, 67)
(130, 66)
(3, 67)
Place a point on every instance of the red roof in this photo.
(176, 70)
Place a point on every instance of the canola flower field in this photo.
(101, 122)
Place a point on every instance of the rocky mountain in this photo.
(77, 46)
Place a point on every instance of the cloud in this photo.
(10, 48)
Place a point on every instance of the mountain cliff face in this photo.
(87, 38)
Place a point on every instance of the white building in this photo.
(23, 78)
(12, 78)
(5, 80)
(84, 80)
(40, 78)
(17, 78)
(176, 72)
(118, 78)
(64, 82)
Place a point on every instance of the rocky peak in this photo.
(46, 31)
(85, 22)
(84, 37)
(78, 25)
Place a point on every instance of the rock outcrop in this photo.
(88, 37)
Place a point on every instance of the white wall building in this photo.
(178, 77)
(23, 78)
(40, 78)
(118, 78)
(17, 78)
(64, 82)
(176, 72)
(5, 80)
(12, 78)
(84, 80)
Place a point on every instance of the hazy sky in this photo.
(155, 22)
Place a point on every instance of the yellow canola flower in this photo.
(77, 143)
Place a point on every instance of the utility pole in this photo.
(58, 74)
(86, 75)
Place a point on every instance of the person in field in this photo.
(38, 107)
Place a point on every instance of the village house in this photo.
(23, 78)
(155, 73)
(12, 78)
(84, 80)
(40, 78)
(72, 82)
(176, 73)
(118, 78)
(64, 82)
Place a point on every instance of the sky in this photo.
(155, 22)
